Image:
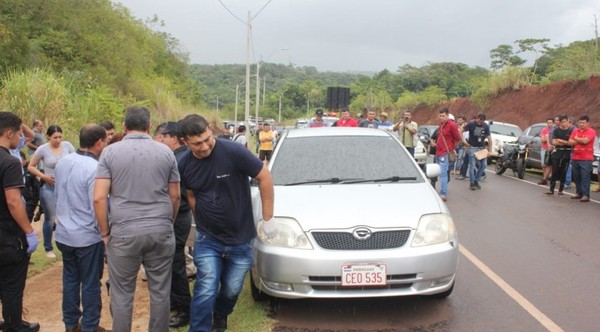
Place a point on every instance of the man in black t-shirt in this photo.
(479, 132)
(215, 174)
(17, 238)
(559, 160)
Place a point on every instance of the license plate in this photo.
(363, 275)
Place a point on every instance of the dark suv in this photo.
(532, 136)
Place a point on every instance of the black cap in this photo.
(319, 112)
(172, 128)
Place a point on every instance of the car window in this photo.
(535, 131)
(507, 130)
(301, 159)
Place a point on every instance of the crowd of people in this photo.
(130, 199)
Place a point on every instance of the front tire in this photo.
(500, 166)
(520, 168)
(442, 295)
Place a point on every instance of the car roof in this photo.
(336, 131)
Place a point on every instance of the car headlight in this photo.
(434, 229)
(288, 234)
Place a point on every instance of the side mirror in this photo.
(432, 170)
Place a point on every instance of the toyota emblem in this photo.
(362, 234)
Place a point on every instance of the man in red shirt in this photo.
(582, 140)
(448, 136)
(546, 151)
(346, 120)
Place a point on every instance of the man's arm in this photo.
(174, 191)
(28, 133)
(191, 199)
(101, 191)
(16, 207)
(265, 185)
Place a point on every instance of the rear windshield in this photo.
(301, 159)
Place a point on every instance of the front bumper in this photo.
(295, 273)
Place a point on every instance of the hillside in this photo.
(532, 104)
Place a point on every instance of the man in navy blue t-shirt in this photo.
(216, 175)
(478, 131)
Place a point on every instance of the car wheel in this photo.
(500, 166)
(442, 295)
(520, 168)
(257, 294)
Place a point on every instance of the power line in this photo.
(232, 14)
(263, 7)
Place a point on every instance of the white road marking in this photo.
(520, 299)
(537, 185)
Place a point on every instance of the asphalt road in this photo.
(528, 263)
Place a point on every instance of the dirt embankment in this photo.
(530, 105)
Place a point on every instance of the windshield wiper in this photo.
(333, 180)
(388, 179)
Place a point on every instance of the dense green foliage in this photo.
(74, 61)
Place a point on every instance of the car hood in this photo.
(505, 138)
(350, 205)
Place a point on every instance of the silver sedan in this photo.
(356, 217)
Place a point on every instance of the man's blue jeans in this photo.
(582, 173)
(220, 278)
(49, 205)
(82, 271)
(444, 165)
(476, 167)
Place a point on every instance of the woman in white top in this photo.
(49, 153)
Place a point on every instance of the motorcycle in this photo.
(514, 156)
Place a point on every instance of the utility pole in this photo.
(247, 105)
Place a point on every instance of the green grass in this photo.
(247, 314)
(39, 262)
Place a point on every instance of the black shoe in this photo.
(576, 197)
(25, 327)
(477, 185)
(549, 193)
(180, 319)
(472, 186)
(560, 193)
(75, 329)
(219, 324)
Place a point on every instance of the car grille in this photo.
(345, 241)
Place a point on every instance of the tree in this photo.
(536, 46)
(503, 56)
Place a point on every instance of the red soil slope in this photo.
(530, 105)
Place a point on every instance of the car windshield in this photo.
(339, 160)
(506, 130)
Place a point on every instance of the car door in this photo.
(535, 146)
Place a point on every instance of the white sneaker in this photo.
(50, 254)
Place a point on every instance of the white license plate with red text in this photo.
(363, 275)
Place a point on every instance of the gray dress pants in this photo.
(125, 255)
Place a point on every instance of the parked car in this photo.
(420, 153)
(356, 217)
(302, 123)
(531, 136)
(425, 132)
(501, 133)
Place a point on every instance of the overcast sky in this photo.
(365, 35)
